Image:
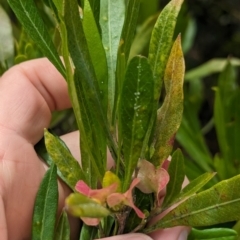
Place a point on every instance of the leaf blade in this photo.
(170, 114)
(216, 205)
(45, 208)
(213, 234)
(63, 228)
(177, 174)
(111, 22)
(88, 86)
(161, 42)
(61, 156)
(28, 15)
(136, 109)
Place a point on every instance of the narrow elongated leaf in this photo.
(88, 153)
(216, 205)
(88, 86)
(143, 36)
(169, 116)
(227, 121)
(95, 6)
(227, 82)
(92, 141)
(34, 26)
(96, 51)
(213, 234)
(212, 66)
(129, 27)
(62, 157)
(124, 48)
(219, 120)
(63, 228)
(177, 173)
(128, 32)
(111, 20)
(161, 42)
(233, 128)
(88, 232)
(45, 208)
(192, 140)
(88, 161)
(59, 4)
(222, 115)
(194, 186)
(136, 109)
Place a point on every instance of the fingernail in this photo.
(183, 235)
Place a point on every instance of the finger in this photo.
(28, 93)
(131, 236)
(3, 225)
(72, 141)
(176, 233)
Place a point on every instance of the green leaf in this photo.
(169, 116)
(129, 27)
(233, 128)
(136, 108)
(45, 208)
(128, 32)
(95, 6)
(190, 137)
(62, 231)
(177, 173)
(28, 15)
(95, 171)
(59, 4)
(92, 142)
(6, 39)
(80, 205)
(219, 120)
(88, 232)
(213, 234)
(98, 138)
(96, 51)
(216, 205)
(142, 37)
(212, 66)
(84, 85)
(161, 42)
(227, 121)
(62, 157)
(111, 20)
(194, 186)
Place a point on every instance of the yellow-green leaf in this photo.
(161, 42)
(170, 114)
(82, 206)
(62, 157)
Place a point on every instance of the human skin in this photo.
(29, 92)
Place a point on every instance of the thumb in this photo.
(130, 236)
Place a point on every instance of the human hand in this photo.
(29, 92)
